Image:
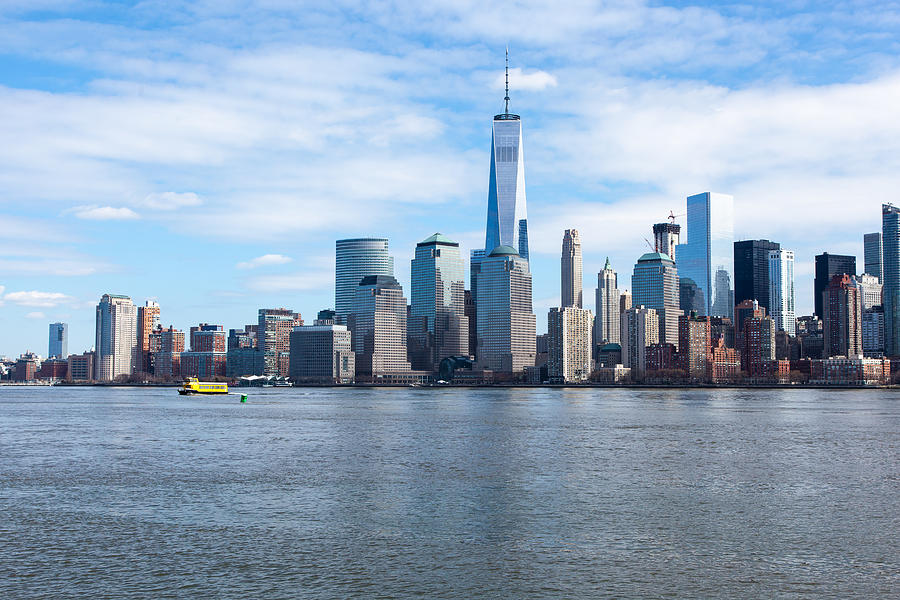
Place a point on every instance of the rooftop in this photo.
(504, 251)
(438, 238)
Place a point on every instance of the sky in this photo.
(207, 154)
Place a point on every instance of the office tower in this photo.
(469, 309)
(207, 357)
(116, 338)
(873, 331)
(273, 339)
(438, 326)
(507, 222)
(378, 327)
(751, 271)
(758, 344)
(870, 290)
(827, 266)
(570, 270)
(638, 329)
(624, 303)
(781, 289)
(569, 344)
(325, 317)
(59, 340)
(608, 307)
(694, 342)
(706, 260)
(666, 237)
(842, 319)
(355, 259)
(890, 220)
(322, 354)
(506, 323)
(81, 367)
(147, 322)
(872, 255)
(166, 346)
(655, 285)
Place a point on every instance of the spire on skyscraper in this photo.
(506, 98)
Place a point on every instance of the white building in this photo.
(607, 304)
(378, 327)
(116, 337)
(639, 328)
(570, 341)
(781, 290)
(869, 290)
(570, 270)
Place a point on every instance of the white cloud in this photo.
(520, 80)
(302, 281)
(264, 261)
(36, 298)
(104, 213)
(36, 315)
(171, 200)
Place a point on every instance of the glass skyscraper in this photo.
(890, 234)
(355, 259)
(705, 262)
(872, 252)
(781, 290)
(59, 340)
(655, 285)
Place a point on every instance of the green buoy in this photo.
(243, 397)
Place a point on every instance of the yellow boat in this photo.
(193, 386)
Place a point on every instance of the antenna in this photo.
(506, 99)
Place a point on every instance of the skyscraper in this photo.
(116, 338)
(827, 266)
(655, 285)
(666, 237)
(438, 324)
(695, 347)
(147, 321)
(569, 339)
(506, 322)
(639, 329)
(842, 318)
(378, 327)
(872, 255)
(354, 259)
(507, 222)
(706, 260)
(59, 340)
(273, 339)
(607, 304)
(890, 223)
(751, 271)
(781, 290)
(570, 270)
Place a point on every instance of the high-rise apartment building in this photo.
(438, 325)
(507, 221)
(873, 331)
(570, 270)
(666, 237)
(147, 322)
(639, 329)
(355, 259)
(872, 255)
(655, 285)
(569, 341)
(506, 322)
(607, 303)
(378, 327)
(870, 290)
(827, 266)
(781, 290)
(58, 341)
(890, 223)
(166, 346)
(694, 354)
(207, 357)
(273, 339)
(751, 271)
(116, 337)
(705, 262)
(842, 318)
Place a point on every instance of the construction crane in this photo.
(652, 247)
(673, 216)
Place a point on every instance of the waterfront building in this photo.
(273, 339)
(570, 270)
(694, 346)
(827, 266)
(322, 354)
(872, 255)
(207, 357)
(706, 260)
(570, 342)
(873, 331)
(242, 357)
(507, 221)
(850, 371)
(116, 337)
(242, 338)
(758, 349)
(752, 271)
(147, 322)
(639, 329)
(27, 367)
(842, 320)
(378, 327)
(53, 369)
(81, 367)
(870, 290)
(725, 366)
(781, 289)
(438, 325)
(662, 359)
(666, 237)
(890, 219)
(167, 346)
(505, 320)
(654, 284)
(608, 307)
(58, 341)
(354, 259)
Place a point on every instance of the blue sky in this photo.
(207, 154)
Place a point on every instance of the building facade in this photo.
(116, 337)
(870, 290)
(781, 290)
(273, 339)
(654, 284)
(873, 332)
(378, 327)
(827, 266)
(842, 320)
(694, 347)
(322, 354)
(81, 367)
(58, 341)
(758, 349)
(666, 237)
(147, 322)
(570, 343)
(570, 270)
(639, 329)
(607, 303)
(890, 223)
(872, 255)
(354, 259)
(166, 346)
(752, 271)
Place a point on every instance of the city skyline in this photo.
(199, 217)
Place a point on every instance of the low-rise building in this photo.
(81, 367)
(850, 371)
(322, 354)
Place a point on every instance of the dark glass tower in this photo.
(751, 271)
(827, 266)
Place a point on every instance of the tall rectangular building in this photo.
(639, 329)
(569, 333)
(695, 347)
(570, 270)
(59, 340)
(655, 285)
(607, 304)
(147, 322)
(872, 255)
(116, 337)
(273, 339)
(842, 320)
(354, 259)
(781, 290)
(167, 346)
(378, 327)
(705, 262)
(890, 223)
(827, 266)
(751, 271)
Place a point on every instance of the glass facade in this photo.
(59, 340)
(872, 253)
(355, 259)
(705, 262)
(890, 223)
(507, 221)
(781, 290)
(654, 284)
